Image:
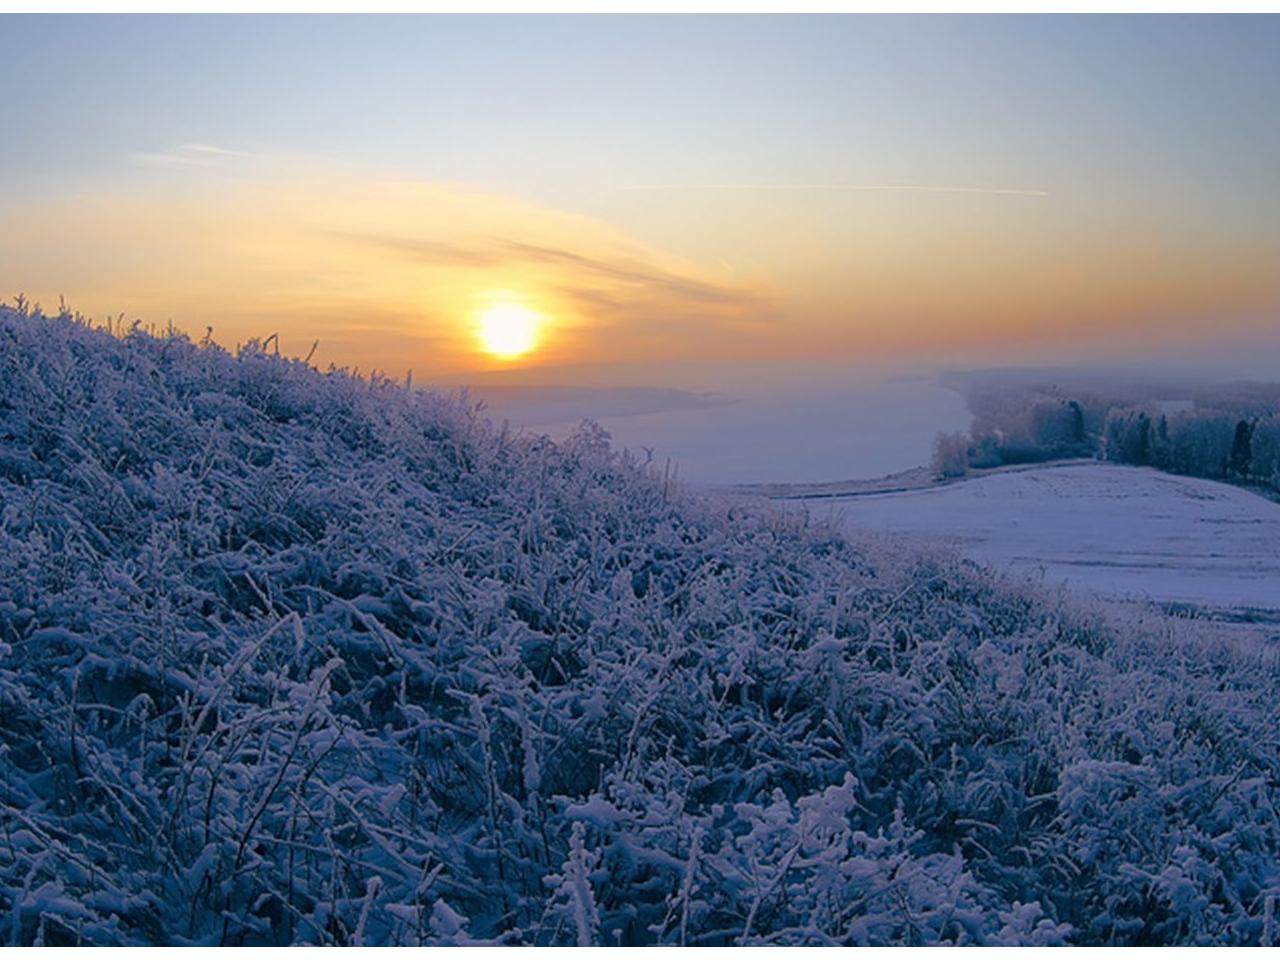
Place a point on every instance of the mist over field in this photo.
(831, 425)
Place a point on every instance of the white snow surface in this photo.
(1120, 531)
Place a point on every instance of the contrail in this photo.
(846, 187)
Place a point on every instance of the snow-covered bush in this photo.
(295, 657)
(950, 455)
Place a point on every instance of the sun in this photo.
(508, 330)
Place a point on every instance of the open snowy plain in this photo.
(1124, 532)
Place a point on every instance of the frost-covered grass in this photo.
(288, 656)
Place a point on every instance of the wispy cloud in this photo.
(622, 272)
(845, 187)
(440, 252)
(609, 298)
(628, 272)
(188, 155)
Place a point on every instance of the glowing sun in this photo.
(508, 330)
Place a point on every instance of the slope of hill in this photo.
(290, 657)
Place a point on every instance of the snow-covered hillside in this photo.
(1126, 532)
(289, 657)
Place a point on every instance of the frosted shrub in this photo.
(950, 455)
(290, 656)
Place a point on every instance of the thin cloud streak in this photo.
(189, 155)
(845, 187)
(500, 251)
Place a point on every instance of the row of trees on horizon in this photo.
(1229, 434)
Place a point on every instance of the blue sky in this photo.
(1155, 139)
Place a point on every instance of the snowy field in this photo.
(1121, 531)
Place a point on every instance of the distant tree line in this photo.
(1229, 434)
(1200, 443)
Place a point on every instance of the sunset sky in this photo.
(605, 198)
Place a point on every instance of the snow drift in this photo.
(296, 657)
